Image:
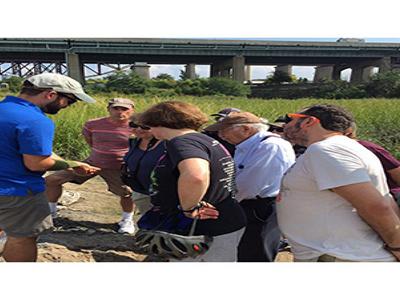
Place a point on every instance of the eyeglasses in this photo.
(134, 125)
(290, 117)
(71, 100)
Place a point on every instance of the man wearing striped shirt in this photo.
(108, 139)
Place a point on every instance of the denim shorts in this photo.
(25, 216)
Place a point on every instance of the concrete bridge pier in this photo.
(323, 72)
(190, 71)
(361, 73)
(367, 73)
(356, 74)
(247, 73)
(284, 68)
(218, 70)
(384, 64)
(337, 71)
(238, 67)
(142, 69)
(75, 67)
(233, 68)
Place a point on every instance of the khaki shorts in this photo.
(111, 177)
(25, 216)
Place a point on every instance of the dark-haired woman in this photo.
(144, 152)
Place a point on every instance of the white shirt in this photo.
(260, 165)
(317, 221)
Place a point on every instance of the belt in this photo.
(266, 201)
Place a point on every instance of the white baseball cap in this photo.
(60, 83)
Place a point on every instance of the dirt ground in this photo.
(86, 230)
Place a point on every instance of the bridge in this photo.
(227, 58)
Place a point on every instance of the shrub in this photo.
(385, 84)
(226, 86)
(163, 83)
(164, 76)
(14, 83)
(196, 87)
(280, 77)
(339, 89)
(128, 83)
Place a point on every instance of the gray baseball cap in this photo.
(121, 102)
(60, 83)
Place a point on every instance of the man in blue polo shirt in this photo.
(27, 135)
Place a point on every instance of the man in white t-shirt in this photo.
(334, 203)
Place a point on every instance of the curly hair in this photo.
(175, 115)
(332, 117)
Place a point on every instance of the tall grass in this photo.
(378, 120)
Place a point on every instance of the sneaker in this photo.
(127, 226)
(3, 240)
(54, 214)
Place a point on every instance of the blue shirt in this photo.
(260, 165)
(24, 129)
(140, 165)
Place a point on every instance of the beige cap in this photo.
(60, 83)
(235, 118)
(121, 102)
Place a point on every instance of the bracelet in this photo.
(198, 205)
(387, 247)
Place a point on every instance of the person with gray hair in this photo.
(261, 158)
(108, 139)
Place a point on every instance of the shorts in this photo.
(25, 216)
(111, 177)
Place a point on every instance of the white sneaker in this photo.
(3, 240)
(127, 226)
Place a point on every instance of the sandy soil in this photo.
(86, 231)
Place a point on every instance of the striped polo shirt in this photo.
(109, 142)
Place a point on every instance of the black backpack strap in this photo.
(268, 136)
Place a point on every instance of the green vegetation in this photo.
(280, 84)
(377, 119)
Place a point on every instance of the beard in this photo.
(295, 135)
(51, 108)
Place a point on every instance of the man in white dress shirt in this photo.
(261, 159)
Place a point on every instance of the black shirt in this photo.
(214, 134)
(220, 192)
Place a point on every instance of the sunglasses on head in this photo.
(290, 117)
(134, 125)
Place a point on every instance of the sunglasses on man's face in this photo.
(71, 100)
(134, 125)
(289, 117)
